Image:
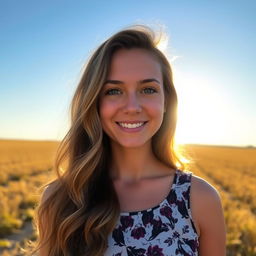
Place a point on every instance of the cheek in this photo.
(106, 110)
(156, 107)
(157, 112)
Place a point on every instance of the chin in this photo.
(132, 144)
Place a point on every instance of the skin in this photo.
(207, 213)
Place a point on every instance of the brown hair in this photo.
(82, 209)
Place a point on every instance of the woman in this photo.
(121, 191)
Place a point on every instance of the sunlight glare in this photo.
(201, 111)
(162, 44)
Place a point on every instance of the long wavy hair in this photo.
(82, 207)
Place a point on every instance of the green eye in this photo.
(149, 90)
(113, 92)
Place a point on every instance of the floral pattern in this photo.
(164, 230)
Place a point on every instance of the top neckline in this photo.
(128, 213)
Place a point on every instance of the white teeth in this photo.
(130, 126)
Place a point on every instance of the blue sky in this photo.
(44, 45)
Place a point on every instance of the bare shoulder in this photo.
(204, 199)
(207, 212)
(203, 189)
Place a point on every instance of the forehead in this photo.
(134, 63)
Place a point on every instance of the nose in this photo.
(132, 104)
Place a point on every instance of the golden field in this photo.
(27, 165)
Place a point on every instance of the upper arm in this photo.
(208, 212)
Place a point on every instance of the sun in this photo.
(202, 113)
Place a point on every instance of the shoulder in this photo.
(200, 188)
(207, 212)
(203, 189)
(204, 198)
(202, 194)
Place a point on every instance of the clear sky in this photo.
(44, 45)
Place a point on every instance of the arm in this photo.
(208, 212)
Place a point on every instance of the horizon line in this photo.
(185, 144)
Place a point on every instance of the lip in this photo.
(132, 130)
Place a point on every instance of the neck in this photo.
(133, 164)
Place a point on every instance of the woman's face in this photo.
(131, 102)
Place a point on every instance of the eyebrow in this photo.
(148, 80)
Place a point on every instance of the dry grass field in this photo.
(26, 165)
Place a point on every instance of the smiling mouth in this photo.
(131, 125)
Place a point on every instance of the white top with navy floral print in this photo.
(164, 230)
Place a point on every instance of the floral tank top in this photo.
(164, 230)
